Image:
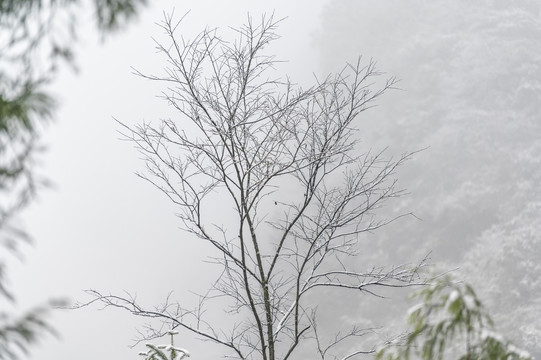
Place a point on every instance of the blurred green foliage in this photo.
(36, 36)
(450, 323)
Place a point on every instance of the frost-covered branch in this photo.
(171, 313)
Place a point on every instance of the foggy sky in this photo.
(101, 227)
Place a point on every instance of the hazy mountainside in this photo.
(471, 72)
(504, 264)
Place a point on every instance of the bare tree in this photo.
(287, 161)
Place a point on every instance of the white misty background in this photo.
(470, 74)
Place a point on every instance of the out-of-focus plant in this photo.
(35, 37)
(450, 323)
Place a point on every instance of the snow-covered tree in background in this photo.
(165, 352)
(509, 252)
(472, 79)
(450, 323)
